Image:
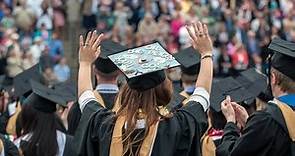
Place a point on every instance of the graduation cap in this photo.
(228, 86)
(44, 99)
(283, 58)
(22, 81)
(68, 90)
(5, 82)
(144, 66)
(189, 60)
(103, 63)
(256, 84)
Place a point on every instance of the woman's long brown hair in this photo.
(148, 101)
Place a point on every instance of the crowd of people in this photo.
(155, 77)
(31, 33)
(240, 29)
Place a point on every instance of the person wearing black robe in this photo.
(190, 67)
(176, 135)
(264, 132)
(42, 130)
(106, 73)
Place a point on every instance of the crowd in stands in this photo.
(33, 30)
(30, 33)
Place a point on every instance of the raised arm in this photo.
(88, 52)
(201, 41)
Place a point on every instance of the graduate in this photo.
(137, 127)
(220, 89)
(190, 67)
(106, 73)
(269, 132)
(7, 148)
(21, 89)
(41, 132)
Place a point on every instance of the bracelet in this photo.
(207, 56)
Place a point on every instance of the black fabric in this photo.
(227, 86)
(3, 122)
(22, 81)
(283, 63)
(109, 99)
(283, 56)
(74, 118)
(146, 81)
(68, 151)
(189, 59)
(262, 136)
(9, 148)
(179, 135)
(177, 86)
(41, 104)
(105, 65)
(176, 102)
(44, 99)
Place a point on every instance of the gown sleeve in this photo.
(256, 136)
(192, 120)
(82, 143)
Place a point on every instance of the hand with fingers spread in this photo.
(240, 113)
(90, 49)
(228, 110)
(200, 38)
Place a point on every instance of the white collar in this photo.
(107, 88)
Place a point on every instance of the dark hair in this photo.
(148, 101)
(286, 83)
(217, 119)
(43, 128)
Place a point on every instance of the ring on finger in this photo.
(86, 44)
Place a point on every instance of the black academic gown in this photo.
(109, 99)
(179, 135)
(9, 148)
(262, 136)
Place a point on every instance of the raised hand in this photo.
(228, 110)
(90, 49)
(200, 38)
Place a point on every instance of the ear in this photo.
(273, 78)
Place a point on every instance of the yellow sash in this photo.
(116, 148)
(208, 146)
(1, 146)
(289, 116)
(186, 95)
(11, 125)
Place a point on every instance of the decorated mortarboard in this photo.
(44, 99)
(189, 59)
(283, 58)
(103, 63)
(68, 90)
(22, 81)
(228, 86)
(144, 66)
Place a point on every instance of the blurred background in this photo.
(47, 31)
